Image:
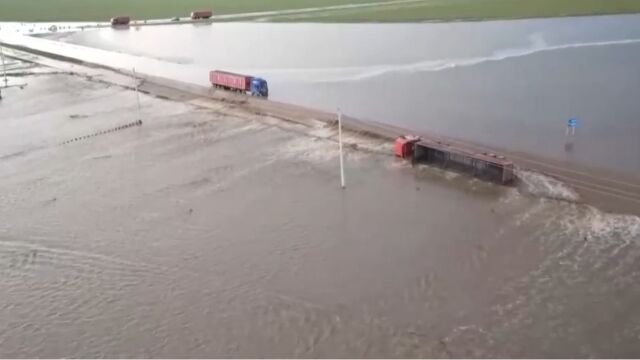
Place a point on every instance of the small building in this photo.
(201, 14)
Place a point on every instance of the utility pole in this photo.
(135, 81)
(4, 71)
(342, 183)
(4, 68)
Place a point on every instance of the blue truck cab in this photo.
(259, 87)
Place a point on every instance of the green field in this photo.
(418, 10)
(448, 10)
(101, 10)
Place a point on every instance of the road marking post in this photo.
(572, 124)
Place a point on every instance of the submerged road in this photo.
(610, 191)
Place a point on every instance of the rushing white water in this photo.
(546, 187)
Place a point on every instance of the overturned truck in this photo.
(485, 166)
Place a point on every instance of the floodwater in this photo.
(217, 234)
(511, 84)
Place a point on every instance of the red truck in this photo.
(241, 83)
(120, 20)
(202, 14)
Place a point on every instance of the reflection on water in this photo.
(510, 84)
(568, 146)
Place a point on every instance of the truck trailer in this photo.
(120, 20)
(486, 166)
(255, 86)
(201, 14)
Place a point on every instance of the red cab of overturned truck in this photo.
(201, 14)
(403, 146)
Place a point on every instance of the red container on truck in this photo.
(120, 20)
(202, 14)
(240, 83)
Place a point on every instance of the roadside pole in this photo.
(570, 134)
(4, 68)
(572, 124)
(135, 81)
(4, 71)
(342, 183)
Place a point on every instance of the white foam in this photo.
(603, 225)
(323, 132)
(310, 149)
(318, 149)
(544, 186)
(536, 44)
(579, 221)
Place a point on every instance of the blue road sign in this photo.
(572, 123)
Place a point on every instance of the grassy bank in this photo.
(101, 10)
(418, 10)
(448, 10)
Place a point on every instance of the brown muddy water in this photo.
(208, 233)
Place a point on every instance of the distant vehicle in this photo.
(120, 20)
(240, 83)
(175, 19)
(202, 14)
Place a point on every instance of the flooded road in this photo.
(511, 84)
(210, 232)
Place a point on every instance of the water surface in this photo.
(173, 240)
(511, 84)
